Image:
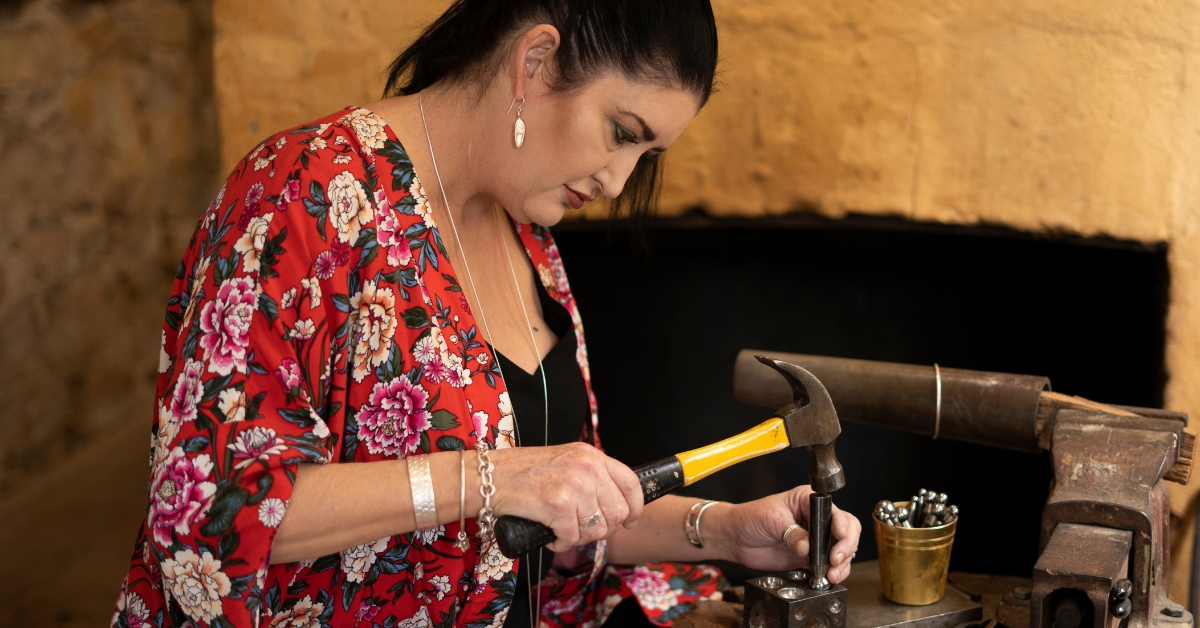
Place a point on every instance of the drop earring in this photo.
(519, 126)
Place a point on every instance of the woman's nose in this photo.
(613, 178)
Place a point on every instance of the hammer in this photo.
(808, 421)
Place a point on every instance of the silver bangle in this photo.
(486, 517)
(691, 523)
(424, 502)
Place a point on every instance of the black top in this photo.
(570, 415)
(570, 420)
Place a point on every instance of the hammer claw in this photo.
(811, 421)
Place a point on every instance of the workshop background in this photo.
(1000, 186)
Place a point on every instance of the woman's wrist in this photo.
(447, 472)
(718, 531)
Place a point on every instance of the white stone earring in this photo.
(519, 126)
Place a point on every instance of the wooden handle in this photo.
(762, 439)
(516, 536)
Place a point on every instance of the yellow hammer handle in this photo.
(762, 439)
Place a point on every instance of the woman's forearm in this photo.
(659, 536)
(337, 506)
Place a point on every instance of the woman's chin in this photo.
(547, 215)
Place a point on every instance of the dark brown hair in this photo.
(670, 42)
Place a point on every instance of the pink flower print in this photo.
(462, 301)
(188, 390)
(341, 252)
(134, 608)
(394, 418)
(180, 493)
(288, 374)
(290, 192)
(325, 265)
(225, 325)
(381, 200)
(559, 271)
(153, 574)
(253, 196)
(458, 377)
(441, 585)
(256, 443)
(651, 588)
(270, 513)
(366, 613)
(424, 351)
(436, 371)
(216, 202)
(480, 421)
(558, 606)
(391, 238)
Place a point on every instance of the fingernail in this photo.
(841, 555)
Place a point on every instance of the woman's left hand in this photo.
(751, 533)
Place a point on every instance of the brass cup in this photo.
(913, 562)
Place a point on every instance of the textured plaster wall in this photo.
(1051, 116)
(107, 155)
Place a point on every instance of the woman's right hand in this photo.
(561, 484)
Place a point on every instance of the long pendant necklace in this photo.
(535, 607)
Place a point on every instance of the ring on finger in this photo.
(588, 522)
(786, 531)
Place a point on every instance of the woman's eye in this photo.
(622, 135)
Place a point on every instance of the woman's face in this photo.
(584, 143)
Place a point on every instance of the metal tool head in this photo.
(811, 421)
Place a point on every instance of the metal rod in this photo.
(820, 517)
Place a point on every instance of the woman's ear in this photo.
(534, 51)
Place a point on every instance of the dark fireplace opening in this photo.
(664, 328)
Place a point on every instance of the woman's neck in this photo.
(442, 142)
(464, 132)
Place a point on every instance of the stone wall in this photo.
(107, 158)
(1050, 116)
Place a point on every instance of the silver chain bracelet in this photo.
(487, 517)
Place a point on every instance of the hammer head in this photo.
(811, 422)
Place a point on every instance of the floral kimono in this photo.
(316, 318)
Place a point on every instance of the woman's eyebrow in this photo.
(647, 133)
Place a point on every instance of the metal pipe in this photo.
(997, 409)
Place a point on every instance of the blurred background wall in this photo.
(107, 155)
(1061, 117)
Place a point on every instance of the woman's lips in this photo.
(576, 199)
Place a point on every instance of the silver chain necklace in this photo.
(535, 610)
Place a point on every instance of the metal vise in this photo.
(1104, 555)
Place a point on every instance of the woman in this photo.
(328, 384)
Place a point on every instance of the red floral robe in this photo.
(315, 318)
